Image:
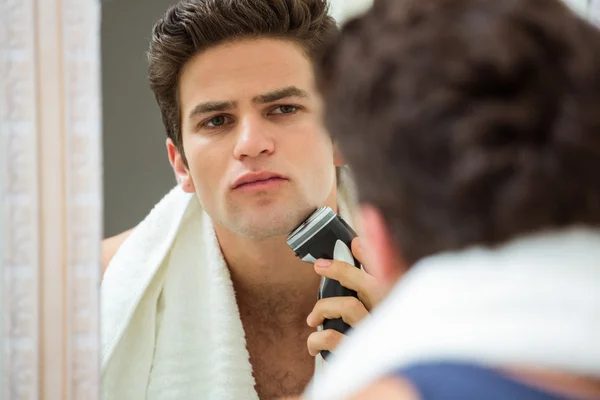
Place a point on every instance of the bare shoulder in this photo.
(389, 389)
(110, 246)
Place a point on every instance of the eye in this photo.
(217, 121)
(285, 109)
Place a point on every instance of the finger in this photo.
(350, 309)
(323, 340)
(365, 285)
(358, 250)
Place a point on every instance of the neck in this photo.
(267, 269)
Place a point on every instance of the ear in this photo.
(383, 257)
(184, 178)
(338, 159)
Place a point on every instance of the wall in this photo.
(594, 11)
(342, 10)
(136, 169)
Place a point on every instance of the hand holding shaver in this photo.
(326, 235)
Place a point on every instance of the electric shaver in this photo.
(324, 234)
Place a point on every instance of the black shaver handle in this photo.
(333, 288)
(326, 235)
(337, 324)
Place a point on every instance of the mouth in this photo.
(258, 181)
(262, 185)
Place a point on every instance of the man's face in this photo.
(258, 156)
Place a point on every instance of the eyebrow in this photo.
(269, 97)
(212, 106)
(290, 91)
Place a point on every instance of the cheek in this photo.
(207, 167)
(322, 154)
(317, 160)
(314, 144)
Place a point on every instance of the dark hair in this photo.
(468, 122)
(192, 26)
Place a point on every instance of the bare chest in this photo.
(280, 361)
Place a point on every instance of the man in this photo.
(473, 127)
(234, 82)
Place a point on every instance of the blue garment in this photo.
(458, 381)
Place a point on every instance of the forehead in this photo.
(240, 70)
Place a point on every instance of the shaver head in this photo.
(310, 227)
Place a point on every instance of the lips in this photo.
(254, 177)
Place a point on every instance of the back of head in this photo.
(473, 121)
(193, 26)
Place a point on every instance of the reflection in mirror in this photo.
(136, 171)
(205, 292)
(204, 298)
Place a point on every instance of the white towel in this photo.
(534, 302)
(170, 323)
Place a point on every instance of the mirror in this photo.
(82, 157)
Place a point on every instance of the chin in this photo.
(270, 223)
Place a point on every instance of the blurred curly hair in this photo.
(468, 122)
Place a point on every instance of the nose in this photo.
(253, 139)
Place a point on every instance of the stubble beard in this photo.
(271, 221)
